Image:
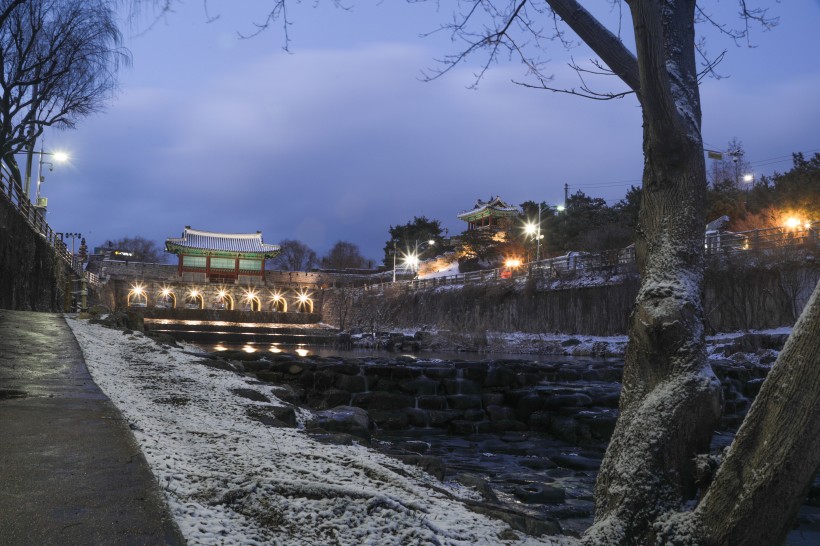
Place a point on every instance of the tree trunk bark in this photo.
(670, 399)
(767, 472)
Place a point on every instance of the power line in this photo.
(637, 181)
(608, 184)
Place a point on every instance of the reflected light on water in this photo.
(301, 351)
(249, 349)
(275, 349)
(220, 347)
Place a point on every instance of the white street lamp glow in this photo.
(530, 228)
(411, 260)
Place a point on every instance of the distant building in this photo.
(494, 214)
(222, 257)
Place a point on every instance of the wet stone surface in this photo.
(517, 471)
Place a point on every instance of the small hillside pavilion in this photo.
(222, 257)
(492, 214)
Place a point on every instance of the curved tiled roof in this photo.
(241, 243)
(495, 203)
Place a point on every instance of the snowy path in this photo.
(231, 480)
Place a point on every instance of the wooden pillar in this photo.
(208, 266)
(236, 267)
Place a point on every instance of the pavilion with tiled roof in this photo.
(490, 213)
(221, 256)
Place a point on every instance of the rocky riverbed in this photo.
(527, 435)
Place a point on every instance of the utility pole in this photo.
(566, 194)
(538, 235)
(394, 260)
(32, 139)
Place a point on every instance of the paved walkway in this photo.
(70, 470)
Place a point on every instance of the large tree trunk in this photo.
(765, 477)
(670, 399)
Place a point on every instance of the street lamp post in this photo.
(59, 157)
(73, 236)
(538, 236)
(394, 260)
(535, 231)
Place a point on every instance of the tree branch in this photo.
(605, 44)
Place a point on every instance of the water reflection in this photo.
(272, 325)
(304, 350)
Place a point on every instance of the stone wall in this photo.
(575, 401)
(32, 276)
(736, 297)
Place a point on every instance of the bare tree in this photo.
(59, 62)
(294, 256)
(140, 249)
(733, 168)
(344, 255)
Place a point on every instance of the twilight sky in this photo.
(340, 138)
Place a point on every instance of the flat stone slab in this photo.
(71, 470)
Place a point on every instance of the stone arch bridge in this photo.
(161, 287)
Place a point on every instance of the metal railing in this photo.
(728, 242)
(614, 261)
(35, 217)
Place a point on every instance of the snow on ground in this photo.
(231, 480)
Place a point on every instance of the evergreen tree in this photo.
(414, 237)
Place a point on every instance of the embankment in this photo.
(32, 276)
(738, 295)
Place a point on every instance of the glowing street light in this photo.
(136, 294)
(792, 223)
(411, 261)
(137, 290)
(59, 157)
(748, 178)
(534, 230)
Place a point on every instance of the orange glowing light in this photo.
(792, 222)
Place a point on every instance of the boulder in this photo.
(345, 419)
(420, 386)
(382, 400)
(540, 493)
(351, 383)
(328, 399)
(464, 401)
(389, 419)
(251, 394)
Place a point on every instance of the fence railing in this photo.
(614, 261)
(35, 217)
(802, 235)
